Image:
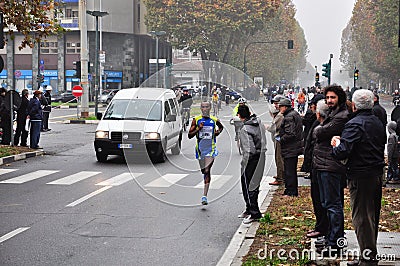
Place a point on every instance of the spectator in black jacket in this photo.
(379, 111)
(291, 139)
(35, 113)
(46, 103)
(22, 113)
(5, 119)
(321, 217)
(331, 172)
(362, 144)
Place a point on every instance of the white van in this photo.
(140, 120)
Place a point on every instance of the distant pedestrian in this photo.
(379, 111)
(253, 143)
(206, 128)
(35, 114)
(393, 154)
(22, 114)
(5, 119)
(46, 103)
(362, 144)
(291, 139)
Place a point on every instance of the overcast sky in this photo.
(323, 22)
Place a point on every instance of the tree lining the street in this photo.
(219, 30)
(34, 19)
(370, 39)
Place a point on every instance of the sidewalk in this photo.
(388, 242)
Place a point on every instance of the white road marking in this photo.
(13, 233)
(119, 179)
(6, 171)
(71, 179)
(166, 180)
(72, 204)
(217, 181)
(29, 177)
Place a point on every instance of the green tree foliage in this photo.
(370, 39)
(35, 19)
(211, 27)
(220, 30)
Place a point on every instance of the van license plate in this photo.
(125, 146)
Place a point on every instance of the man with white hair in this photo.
(362, 144)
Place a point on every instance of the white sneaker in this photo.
(248, 220)
(243, 215)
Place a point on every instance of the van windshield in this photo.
(134, 109)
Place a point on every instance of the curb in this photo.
(81, 121)
(21, 156)
(74, 107)
(244, 236)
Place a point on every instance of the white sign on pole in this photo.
(102, 57)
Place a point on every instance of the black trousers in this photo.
(21, 132)
(250, 180)
(291, 182)
(45, 121)
(365, 200)
(321, 223)
(6, 126)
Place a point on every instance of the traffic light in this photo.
(326, 69)
(356, 72)
(40, 78)
(77, 69)
(316, 77)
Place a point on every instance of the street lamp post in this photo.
(157, 34)
(290, 46)
(96, 14)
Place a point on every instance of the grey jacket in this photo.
(392, 146)
(252, 138)
(275, 125)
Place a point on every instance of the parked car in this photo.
(234, 95)
(64, 97)
(107, 95)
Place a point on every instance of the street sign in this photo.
(41, 62)
(77, 91)
(18, 74)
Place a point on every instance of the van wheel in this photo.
(177, 148)
(101, 157)
(160, 155)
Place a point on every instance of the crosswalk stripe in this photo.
(166, 180)
(119, 179)
(13, 233)
(6, 171)
(71, 179)
(217, 181)
(78, 201)
(29, 177)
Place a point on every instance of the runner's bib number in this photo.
(206, 132)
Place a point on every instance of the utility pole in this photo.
(84, 59)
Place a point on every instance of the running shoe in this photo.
(204, 200)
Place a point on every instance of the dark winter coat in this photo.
(380, 112)
(333, 125)
(362, 143)
(22, 112)
(291, 134)
(35, 111)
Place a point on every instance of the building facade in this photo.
(125, 42)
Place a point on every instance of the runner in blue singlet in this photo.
(206, 128)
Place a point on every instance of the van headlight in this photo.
(101, 134)
(151, 136)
